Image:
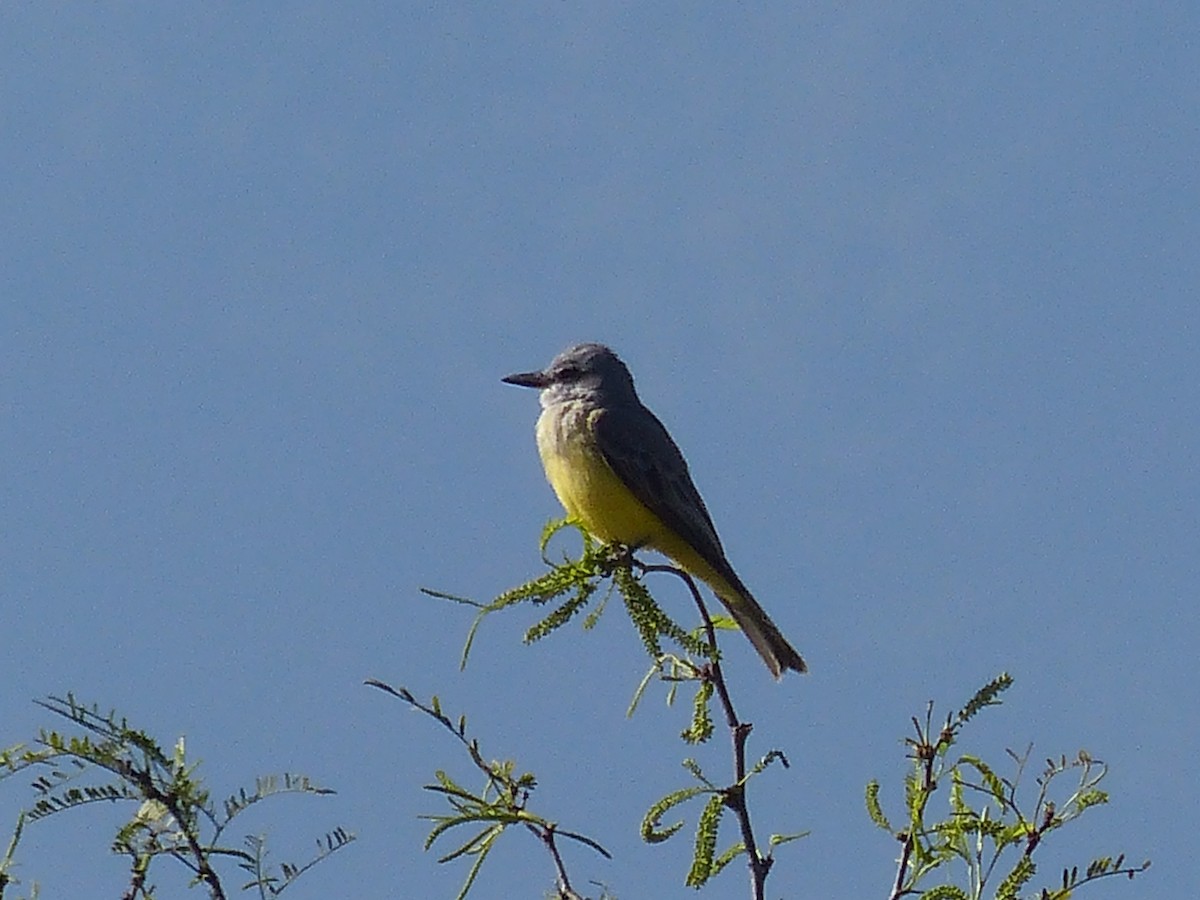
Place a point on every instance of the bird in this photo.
(617, 471)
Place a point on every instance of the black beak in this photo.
(528, 379)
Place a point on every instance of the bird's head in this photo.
(584, 370)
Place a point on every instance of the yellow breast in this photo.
(591, 492)
(586, 487)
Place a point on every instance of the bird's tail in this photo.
(767, 639)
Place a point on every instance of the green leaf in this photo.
(694, 768)
(778, 840)
(650, 620)
(762, 765)
(994, 784)
(874, 809)
(727, 856)
(553, 527)
(655, 669)
(453, 598)
(701, 728)
(484, 848)
(562, 614)
(651, 831)
(945, 892)
(986, 696)
(1090, 798)
(706, 841)
(1010, 887)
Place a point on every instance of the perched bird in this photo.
(617, 471)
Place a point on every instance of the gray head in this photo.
(580, 371)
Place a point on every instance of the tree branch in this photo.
(735, 795)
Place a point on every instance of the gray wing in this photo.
(640, 451)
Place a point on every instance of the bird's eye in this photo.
(569, 372)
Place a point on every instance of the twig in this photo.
(926, 752)
(512, 792)
(905, 855)
(735, 796)
(565, 891)
(205, 873)
(137, 880)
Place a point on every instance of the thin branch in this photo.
(137, 881)
(170, 800)
(905, 855)
(926, 752)
(565, 891)
(735, 796)
(512, 791)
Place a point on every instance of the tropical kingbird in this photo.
(617, 471)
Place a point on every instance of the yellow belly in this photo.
(591, 492)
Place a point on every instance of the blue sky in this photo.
(914, 288)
